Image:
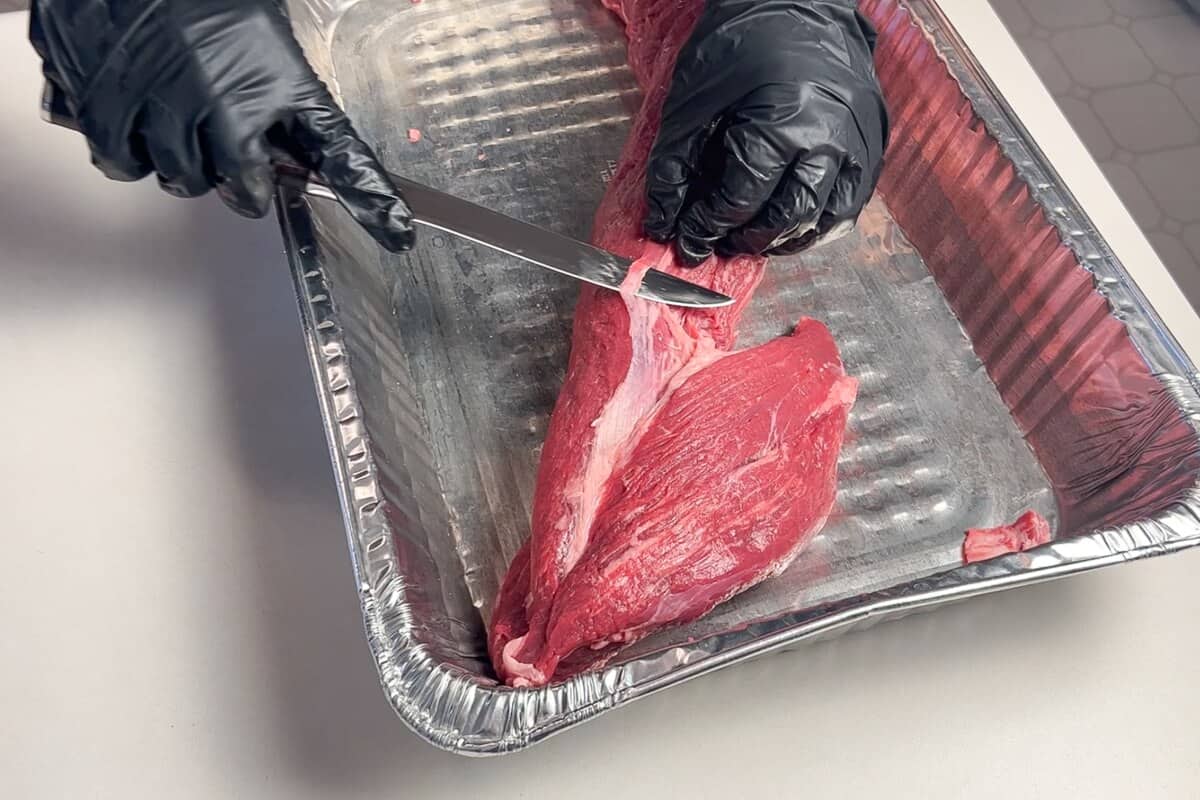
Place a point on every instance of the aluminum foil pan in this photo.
(1006, 359)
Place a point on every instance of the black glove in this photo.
(197, 91)
(773, 130)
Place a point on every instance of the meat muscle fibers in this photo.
(676, 471)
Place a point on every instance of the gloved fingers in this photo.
(673, 165)
(184, 184)
(121, 165)
(750, 171)
(796, 245)
(850, 194)
(249, 191)
(174, 153)
(845, 204)
(330, 145)
(244, 177)
(794, 209)
(118, 149)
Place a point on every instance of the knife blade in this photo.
(536, 245)
(491, 229)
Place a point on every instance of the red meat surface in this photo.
(676, 472)
(1030, 530)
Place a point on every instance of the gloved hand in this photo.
(773, 130)
(197, 91)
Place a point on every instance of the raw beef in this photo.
(676, 472)
(1030, 530)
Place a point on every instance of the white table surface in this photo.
(178, 618)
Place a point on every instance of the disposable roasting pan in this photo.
(1006, 359)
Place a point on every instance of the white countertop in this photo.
(179, 617)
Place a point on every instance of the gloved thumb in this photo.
(331, 147)
(248, 190)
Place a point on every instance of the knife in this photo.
(453, 215)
